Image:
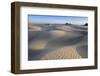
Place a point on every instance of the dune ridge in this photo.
(49, 42)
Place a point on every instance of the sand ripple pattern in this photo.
(62, 53)
(49, 42)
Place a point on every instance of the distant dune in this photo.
(65, 28)
(48, 42)
(35, 28)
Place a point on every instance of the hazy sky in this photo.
(57, 19)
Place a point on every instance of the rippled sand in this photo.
(61, 42)
(62, 53)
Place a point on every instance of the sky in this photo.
(47, 19)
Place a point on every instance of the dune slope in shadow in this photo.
(53, 42)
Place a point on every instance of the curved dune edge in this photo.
(57, 33)
(62, 53)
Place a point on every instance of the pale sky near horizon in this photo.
(46, 19)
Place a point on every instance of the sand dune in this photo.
(65, 28)
(62, 53)
(57, 42)
(56, 39)
(82, 50)
(37, 45)
(35, 28)
(57, 33)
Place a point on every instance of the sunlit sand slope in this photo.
(57, 42)
(62, 53)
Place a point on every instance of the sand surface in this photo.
(59, 42)
(62, 53)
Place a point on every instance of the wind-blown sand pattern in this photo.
(62, 53)
(56, 41)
